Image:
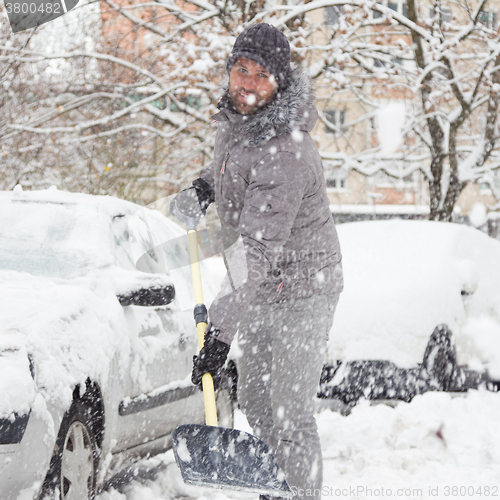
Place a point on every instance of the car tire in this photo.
(73, 468)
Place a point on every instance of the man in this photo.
(281, 251)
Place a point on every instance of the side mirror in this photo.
(134, 288)
(152, 296)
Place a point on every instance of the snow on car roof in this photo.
(53, 233)
(54, 195)
(403, 278)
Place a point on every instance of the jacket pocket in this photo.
(266, 218)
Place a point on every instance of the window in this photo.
(137, 233)
(337, 118)
(336, 183)
(395, 61)
(398, 6)
(488, 19)
(445, 14)
(332, 15)
(336, 177)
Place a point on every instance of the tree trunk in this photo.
(435, 194)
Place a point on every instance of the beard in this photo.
(248, 102)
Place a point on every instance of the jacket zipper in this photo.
(222, 170)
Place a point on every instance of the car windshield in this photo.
(46, 239)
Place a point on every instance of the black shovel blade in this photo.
(227, 458)
(25, 14)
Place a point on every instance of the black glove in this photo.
(205, 193)
(211, 359)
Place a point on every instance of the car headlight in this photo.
(12, 429)
(18, 389)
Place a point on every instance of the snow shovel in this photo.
(208, 455)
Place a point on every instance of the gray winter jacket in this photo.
(270, 194)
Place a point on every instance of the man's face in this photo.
(251, 87)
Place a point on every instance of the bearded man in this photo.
(281, 251)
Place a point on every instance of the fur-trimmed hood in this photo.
(292, 109)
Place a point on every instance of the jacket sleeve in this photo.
(272, 201)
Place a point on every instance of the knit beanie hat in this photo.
(267, 46)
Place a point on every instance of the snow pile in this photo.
(436, 440)
(403, 278)
(434, 443)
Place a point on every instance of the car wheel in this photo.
(72, 474)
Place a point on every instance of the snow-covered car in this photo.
(421, 300)
(96, 341)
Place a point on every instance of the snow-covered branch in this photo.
(41, 57)
(79, 127)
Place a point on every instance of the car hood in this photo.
(71, 328)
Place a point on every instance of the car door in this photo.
(157, 391)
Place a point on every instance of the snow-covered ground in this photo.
(437, 446)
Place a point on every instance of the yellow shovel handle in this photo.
(207, 381)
